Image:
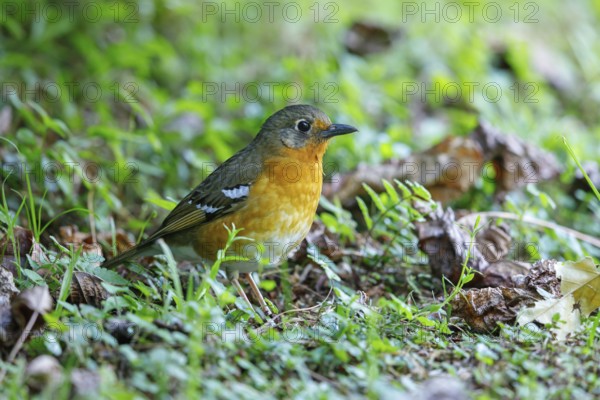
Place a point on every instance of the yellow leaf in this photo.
(582, 280)
(544, 310)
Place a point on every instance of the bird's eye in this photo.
(303, 126)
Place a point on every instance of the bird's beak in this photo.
(336, 130)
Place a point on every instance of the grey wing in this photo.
(223, 192)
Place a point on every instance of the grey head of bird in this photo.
(300, 126)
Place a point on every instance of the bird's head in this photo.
(300, 127)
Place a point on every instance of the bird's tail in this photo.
(143, 249)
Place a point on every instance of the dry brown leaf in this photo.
(38, 254)
(23, 239)
(447, 170)
(70, 234)
(483, 308)
(501, 273)
(34, 300)
(494, 242)
(447, 245)
(541, 278)
(516, 163)
(26, 312)
(87, 289)
(323, 239)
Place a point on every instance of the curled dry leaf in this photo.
(500, 273)
(483, 308)
(494, 242)
(14, 318)
(11, 255)
(516, 162)
(447, 246)
(87, 289)
(70, 235)
(38, 254)
(34, 300)
(453, 166)
(328, 244)
(447, 170)
(540, 278)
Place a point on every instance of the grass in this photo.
(117, 162)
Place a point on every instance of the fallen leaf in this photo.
(582, 280)
(38, 254)
(543, 311)
(447, 245)
(34, 300)
(87, 289)
(26, 313)
(515, 162)
(10, 256)
(482, 309)
(500, 273)
(494, 242)
(322, 238)
(447, 170)
(70, 234)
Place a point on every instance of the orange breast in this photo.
(278, 213)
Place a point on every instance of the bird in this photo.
(269, 190)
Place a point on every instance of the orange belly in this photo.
(278, 214)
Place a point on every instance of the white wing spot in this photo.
(207, 209)
(237, 192)
(190, 202)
